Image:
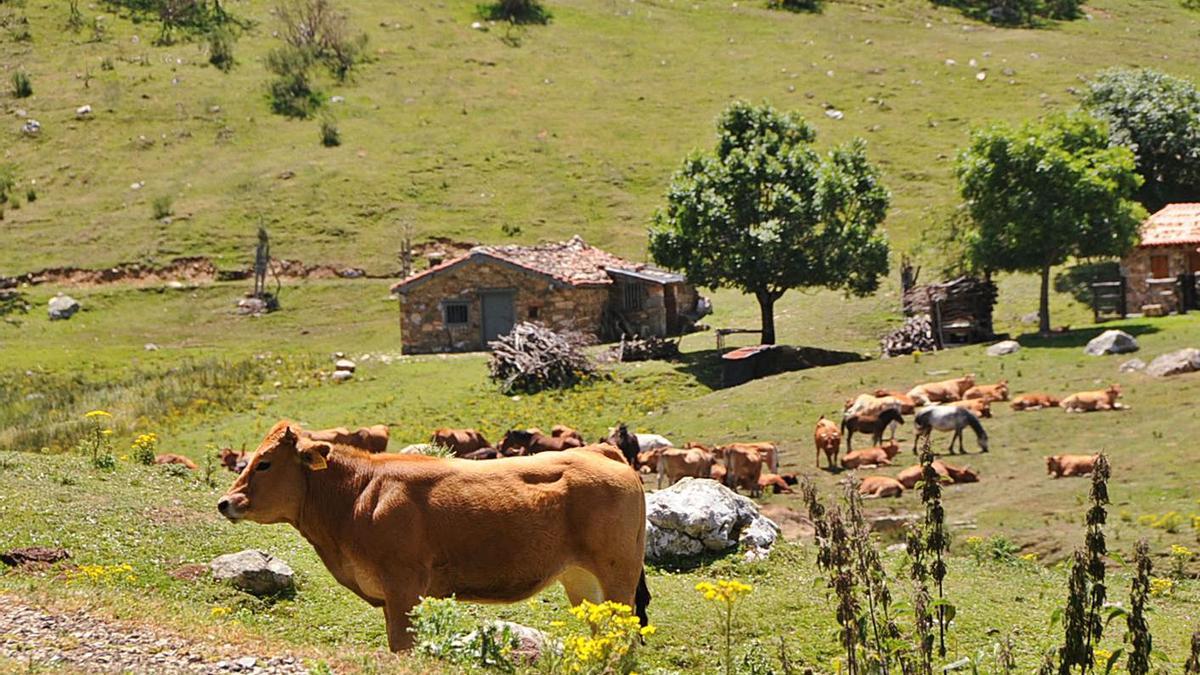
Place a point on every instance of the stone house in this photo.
(463, 303)
(1168, 247)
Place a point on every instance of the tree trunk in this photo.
(1044, 303)
(766, 304)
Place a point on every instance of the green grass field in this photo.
(577, 130)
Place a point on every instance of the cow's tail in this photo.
(641, 600)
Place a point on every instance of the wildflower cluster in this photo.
(145, 448)
(1180, 555)
(726, 593)
(1160, 587)
(102, 574)
(603, 640)
(219, 612)
(97, 444)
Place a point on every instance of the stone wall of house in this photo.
(1136, 268)
(651, 319)
(536, 298)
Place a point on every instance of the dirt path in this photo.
(33, 639)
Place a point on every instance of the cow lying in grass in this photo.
(880, 455)
(370, 439)
(948, 473)
(1034, 401)
(461, 442)
(880, 486)
(395, 528)
(980, 406)
(778, 483)
(941, 392)
(533, 441)
(170, 458)
(1070, 465)
(988, 392)
(1091, 401)
(907, 405)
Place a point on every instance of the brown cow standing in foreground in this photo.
(396, 528)
(941, 392)
(1034, 401)
(880, 486)
(768, 452)
(460, 441)
(828, 439)
(371, 439)
(1089, 401)
(1070, 465)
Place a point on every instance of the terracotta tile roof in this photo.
(571, 262)
(1175, 224)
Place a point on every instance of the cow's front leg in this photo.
(395, 611)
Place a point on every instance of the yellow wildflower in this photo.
(219, 612)
(1178, 551)
(1102, 656)
(97, 413)
(1160, 586)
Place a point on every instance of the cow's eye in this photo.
(262, 466)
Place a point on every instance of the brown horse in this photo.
(626, 442)
(869, 424)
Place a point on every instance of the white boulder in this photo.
(253, 571)
(1175, 363)
(698, 515)
(62, 307)
(1004, 348)
(1111, 342)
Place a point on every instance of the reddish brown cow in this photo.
(169, 458)
(880, 455)
(564, 431)
(1070, 465)
(1089, 401)
(980, 406)
(778, 483)
(989, 392)
(768, 452)
(370, 439)
(948, 473)
(1034, 401)
(743, 467)
(534, 442)
(907, 406)
(828, 440)
(880, 486)
(674, 464)
(941, 392)
(460, 441)
(395, 528)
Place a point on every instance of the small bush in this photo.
(291, 92)
(107, 63)
(144, 449)
(796, 5)
(162, 207)
(220, 49)
(1027, 13)
(22, 87)
(444, 629)
(31, 195)
(1190, 4)
(8, 181)
(515, 11)
(321, 31)
(330, 136)
(18, 30)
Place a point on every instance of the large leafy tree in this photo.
(1158, 117)
(765, 212)
(1045, 192)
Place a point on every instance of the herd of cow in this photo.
(949, 405)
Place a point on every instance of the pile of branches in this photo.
(916, 335)
(643, 349)
(532, 357)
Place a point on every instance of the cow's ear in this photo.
(313, 455)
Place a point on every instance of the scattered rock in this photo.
(1029, 318)
(342, 376)
(981, 75)
(1111, 342)
(345, 364)
(698, 515)
(83, 112)
(31, 127)
(150, 347)
(1154, 310)
(1004, 348)
(1133, 366)
(337, 99)
(479, 25)
(246, 662)
(1175, 363)
(34, 556)
(62, 307)
(835, 114)
(254, 571)
(531, 642)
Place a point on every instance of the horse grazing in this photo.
(941, 392)
(828, 439)
(949, 418)
(626, 442)
(870, 424)
(526, 442)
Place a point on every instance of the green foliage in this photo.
(162, 207)
(1190, 4)
(515, 11)
(445, 630)
(22, 87)
(765, 213)
(176, 17)
(1157, 116)
(8, 182)
(796, 5)
(220, 49)
(1028, 13)
(291, 92)
(322, 32)
(330, 136)
(1044, 192)
(74, 16)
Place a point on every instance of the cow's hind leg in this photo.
(581, 585)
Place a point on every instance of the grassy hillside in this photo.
(576, 129)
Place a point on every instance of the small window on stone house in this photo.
(535, 312)
(455, 313)
(633, 297)
(1159, 267)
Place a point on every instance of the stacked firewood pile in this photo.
(532, 357)
(643, 349)
(964, 304)
(916, 335)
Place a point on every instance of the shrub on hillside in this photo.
(161, 207)
(796, 5)
(220, 49)
(320, 30)
(515, 11)
(22, 87)
(1016, 12)
(291, 92)
(330, 136)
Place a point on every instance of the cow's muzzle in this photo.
(233, 506)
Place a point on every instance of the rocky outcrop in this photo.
(698, 515)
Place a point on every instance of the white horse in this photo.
(648, 442)
(949, 418)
